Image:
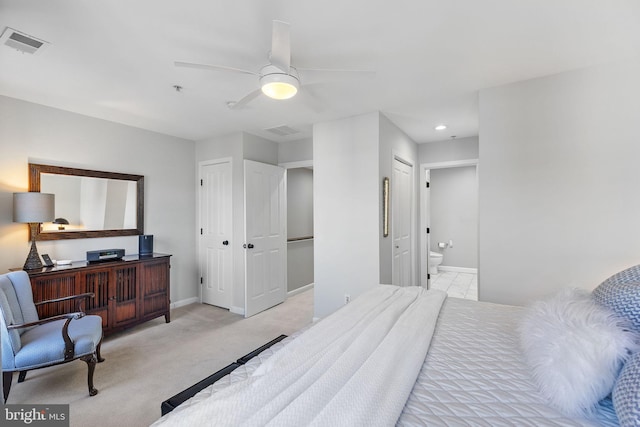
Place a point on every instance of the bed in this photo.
(438, 361)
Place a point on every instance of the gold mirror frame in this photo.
(35, 171)
(385, 207)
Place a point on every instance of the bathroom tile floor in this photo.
(459, 285)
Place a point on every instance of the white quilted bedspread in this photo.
(474, 375)
(338, 373)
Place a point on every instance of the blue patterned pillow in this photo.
(626, 393)
(621, 293)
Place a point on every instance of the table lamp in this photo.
(33, 208)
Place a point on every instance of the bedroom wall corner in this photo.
(36, 133)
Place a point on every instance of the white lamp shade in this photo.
(33, 207)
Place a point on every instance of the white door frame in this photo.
(425, 219)
(199, 224)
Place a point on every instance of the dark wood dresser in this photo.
(127, 291)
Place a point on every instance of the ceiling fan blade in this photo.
(326, 75)
(311, 98)
(336, 70)
(244, 101)
(281, 46)
(212, 67)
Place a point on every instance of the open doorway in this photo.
(449, 216)
(300, 236)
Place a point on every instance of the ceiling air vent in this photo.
(283, 130)
(21, 41)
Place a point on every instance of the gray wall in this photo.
(299, 224)
(449, 150)
(395, 143)
(346, 210)
(559, 181)
(351, 156)
(454, 215)
(295, 151)
(299, 202)
(33, 132)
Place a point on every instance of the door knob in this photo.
(249, 246)
(226, 243)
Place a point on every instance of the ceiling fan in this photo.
(278, 79)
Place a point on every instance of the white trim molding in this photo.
(298, 164)
(458, 269)
(184, 302)
(452, 164)
(300, 290)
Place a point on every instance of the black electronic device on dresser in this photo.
(105, 255)
(145, 244)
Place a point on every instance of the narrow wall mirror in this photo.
(89, 203)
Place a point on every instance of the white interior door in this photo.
(216, 261)
(265, 236)
(401, 217)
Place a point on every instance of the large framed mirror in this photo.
(89, 203)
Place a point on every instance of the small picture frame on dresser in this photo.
(47, 260)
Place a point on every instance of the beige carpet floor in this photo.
(153, 361)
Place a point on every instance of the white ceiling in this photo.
(113, 59)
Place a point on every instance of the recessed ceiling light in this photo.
(441, 127)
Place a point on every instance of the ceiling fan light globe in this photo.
(279, 86)
(279, 90)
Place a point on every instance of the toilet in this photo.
(435, 259)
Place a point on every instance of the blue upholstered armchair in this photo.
(31, 343)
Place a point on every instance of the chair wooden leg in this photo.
(7, 377)
(100, 358)
(21, 376)
(91, 363)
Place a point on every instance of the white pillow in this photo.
(575, 348)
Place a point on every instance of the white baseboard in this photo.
(458, 269)
(184, 302)
(240, 310)
(299, 290)
(237, 310)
